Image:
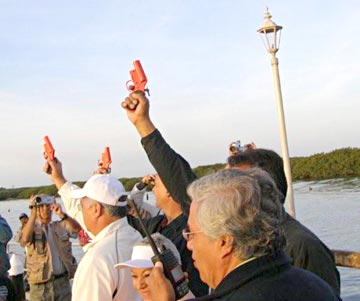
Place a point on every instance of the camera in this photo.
(236, 147)
(42, 200)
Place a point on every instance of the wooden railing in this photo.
(347, 259)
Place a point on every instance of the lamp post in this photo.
(271, 33)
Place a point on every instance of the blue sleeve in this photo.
(5, 231)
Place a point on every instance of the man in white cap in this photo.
(101, 210)
(50, 263)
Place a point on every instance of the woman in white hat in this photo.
(141, 264)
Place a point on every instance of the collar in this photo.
(108, 230)
(177, 224)
(251, 269)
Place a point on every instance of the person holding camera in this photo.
(49, 260)
(145, 209)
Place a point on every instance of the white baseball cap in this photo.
(140, 258)
(102, 188)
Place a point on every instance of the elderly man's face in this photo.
(203, 250)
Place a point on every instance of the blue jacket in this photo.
(5, 236)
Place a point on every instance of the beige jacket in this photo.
(38, 263)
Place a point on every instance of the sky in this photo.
(64, 65)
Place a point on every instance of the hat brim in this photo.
(135, 263)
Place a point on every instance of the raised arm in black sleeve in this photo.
(174, 171)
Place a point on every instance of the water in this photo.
(329, 208)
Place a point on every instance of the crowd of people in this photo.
(228, 231)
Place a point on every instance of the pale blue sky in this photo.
(64, 65)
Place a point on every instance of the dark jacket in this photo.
(310, 253)
(176, 174)
(307, 250)
(271, 278)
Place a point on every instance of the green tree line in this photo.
(340, 163)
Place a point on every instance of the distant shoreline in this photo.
(340, 163)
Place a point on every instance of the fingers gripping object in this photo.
(49, 151)
(105, 160)
(138, 79)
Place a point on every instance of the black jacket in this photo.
(307, 250)
(310, 253)
(271, 278)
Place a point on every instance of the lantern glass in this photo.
(270, 33)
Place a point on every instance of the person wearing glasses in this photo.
(101, 210)
(237, 243)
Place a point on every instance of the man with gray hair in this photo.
(236, 214)
(302, 245)
(101, 210)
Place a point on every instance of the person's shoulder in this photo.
(307, 281)
(304, 246)
(297, 233)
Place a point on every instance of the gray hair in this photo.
(115, 211)
(162, 243)
(243, 204)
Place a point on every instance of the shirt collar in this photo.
(109, 229)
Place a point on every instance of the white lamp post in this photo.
(270, 33)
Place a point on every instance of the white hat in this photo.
(102, 188)
(140, 258)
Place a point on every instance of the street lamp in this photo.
(270, 33)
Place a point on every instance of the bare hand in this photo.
(56, 208)
(149, 179)
(54, 169)
(101, 171)
(159, 285)
(136, 106)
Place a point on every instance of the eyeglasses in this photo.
(187, 234)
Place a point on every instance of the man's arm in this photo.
(70, 223)
(174, 171)
(27, 231)
(54, 168)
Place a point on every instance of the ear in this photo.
(98, 209)
(226, 245)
